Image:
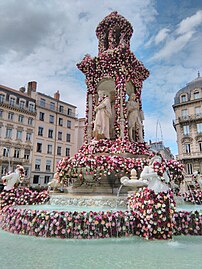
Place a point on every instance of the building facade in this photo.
(159, 147)
(188, 125)
(17, 126)
(36, 130)
(54, 136)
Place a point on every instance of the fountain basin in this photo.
(83, 224)
(180, 253)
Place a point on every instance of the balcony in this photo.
(192, 155)
(188, 118)
(55, 109)
(7, 104)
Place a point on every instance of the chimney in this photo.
(57, 95)
(31, 87)
(22, 89)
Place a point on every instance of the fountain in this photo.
(114, 128)
(113, 147)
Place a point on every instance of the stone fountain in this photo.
(114, 130)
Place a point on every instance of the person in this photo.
(102, 118)
(134, 119)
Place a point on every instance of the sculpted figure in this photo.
(154, 182)
(134, 118)
(13, 178)
(102, 118)
(54, 183)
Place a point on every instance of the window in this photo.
(12, 101)
(27, 154)
(196, 95)
(199, 128)
(17, 153)
(67, 151)
(48, 165)
(10, 115)
(39, 147)
(2, 97)
(188, 148)
(28, 136)
(37, 164)
(189, 168)
(59, 151)
(8, 132)
(69, 112)
(52, 106)
(40, 131)
(36, 179)
(186, 129)
(22, 104)
(49, 149)
(59, 135)
(41, 116)
(30, 121)
(50, 133)
(183, 98)
(19, 135)
(197, 110)
(46, 179)
(184, 113)
(20, 118)
(31, 107)
(69, 124)
(6, 152)
(42, 102)
(200, 146)
(26, 171)
(1, 113)
(68, 138)
(61, 109)
(61, 121)
(51, 119)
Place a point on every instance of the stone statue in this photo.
(154, 182)
(102, 118)
(134, 119)
(13, 178)
(55, 183)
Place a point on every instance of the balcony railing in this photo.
(64, 111)
(192, 155)
(5, 103)
(187, 118)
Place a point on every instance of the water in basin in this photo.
(23, 252)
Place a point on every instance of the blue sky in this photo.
(43, 41)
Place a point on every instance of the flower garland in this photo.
(22, 196)
(91, 225)
(187, 223)
(156, 212)
(98, 158)
(194, 197)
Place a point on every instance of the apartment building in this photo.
(36, 130)
(188, 124)
(54, 134)
(17, 126)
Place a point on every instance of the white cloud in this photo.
(172, 47)
(161, 36)
(190, 23)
